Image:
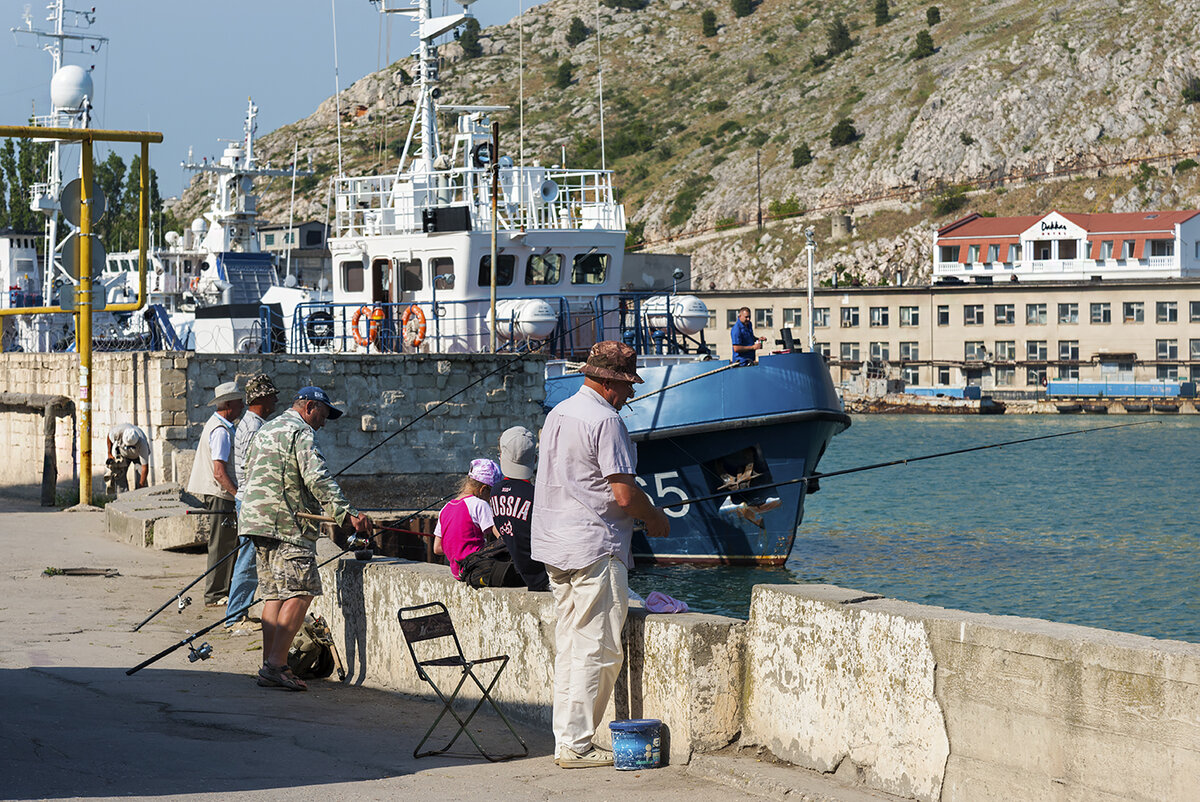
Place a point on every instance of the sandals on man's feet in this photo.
(270, 676)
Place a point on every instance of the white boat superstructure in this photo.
(417, 244)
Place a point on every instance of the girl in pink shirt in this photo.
(463, 522)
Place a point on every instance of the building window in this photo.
(792, 318)
(1194, 311)
(879, 316)
(1067, 372)
(1166, 349)
(822, 349)
(880, 352)
(911, 315)
(1101, 313)
(314, 238)
(1194, 350)
(1035, 350)
(972, 253)
(268, 239)
(1006, 350)
(974, 350)
(1006, 314)
(849, 352)
(1068, 350)
(1133, 311)
(949, 253)
(910, 351)
(1014, 253)
(730, 318)
(1127, 249)
(1166, 312)
(1034, 377)
(943, 376)
(911, 374)
(1162, 247)
(712, 319)
(943, 313)
(1041, 251)
(849, 317)
(1035, 314)
(973, 315)
(1006, 377)
(821, 317)
(1106, 249)
(1168, 372)
(993, 253)
(764, 319)
(1068, 313)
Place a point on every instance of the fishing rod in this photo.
(204, 651)
(902, 461)
(181, 600)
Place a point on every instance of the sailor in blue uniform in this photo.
(745, 344)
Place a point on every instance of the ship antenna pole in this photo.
(600, 83)
(493, 165)
(337, 88)
(810, 246)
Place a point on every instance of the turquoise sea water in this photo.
(1097, 529)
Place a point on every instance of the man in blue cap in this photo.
(286, 474)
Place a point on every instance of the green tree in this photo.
(883, 14)
(742, 8)
(22, 164)
(932, 16)
(801, 156)
(708, 22)
(843, 133)
(577, 32)
(837, 35)
(125, 223)
(924, 47)
(468, 40)
(564, 75)
(110, 174)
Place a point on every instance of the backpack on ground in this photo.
(311, 655)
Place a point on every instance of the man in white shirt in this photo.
(213, 481)
(585, 502)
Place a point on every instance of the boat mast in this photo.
(424, 123)
(44, 196)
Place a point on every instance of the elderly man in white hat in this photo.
(212, 480)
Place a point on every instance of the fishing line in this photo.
(902, 461)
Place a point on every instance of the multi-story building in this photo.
(306, 245)
(1006, 336)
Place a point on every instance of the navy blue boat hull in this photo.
(733, 431)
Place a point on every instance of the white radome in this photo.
(199, 225)
(69, 86)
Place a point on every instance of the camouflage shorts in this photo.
(285, 571)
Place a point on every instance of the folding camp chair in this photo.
(433, 625)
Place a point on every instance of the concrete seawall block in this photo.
(682, 669)
(153, 517)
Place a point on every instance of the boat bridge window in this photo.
(590, 268)
(410, 275)
(504, 276)
(187, 266)
(543, 268)
(442, 270)
(353, 274)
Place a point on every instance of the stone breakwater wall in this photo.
(168, 396)
(921, 702)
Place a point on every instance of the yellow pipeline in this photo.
(83, 303)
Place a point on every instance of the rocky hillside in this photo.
(1021, 107)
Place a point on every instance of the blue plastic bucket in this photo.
(636, 744)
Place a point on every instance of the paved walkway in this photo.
(72, 724)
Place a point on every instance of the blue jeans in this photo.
(245, 576)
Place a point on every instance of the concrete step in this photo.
(772, 780)
(155, 518)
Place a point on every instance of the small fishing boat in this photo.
(1069, 409)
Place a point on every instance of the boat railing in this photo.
(450, 327)
(625, 317)
(530, 198)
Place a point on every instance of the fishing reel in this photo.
(202, 653)
(357, 542)
(184, 601)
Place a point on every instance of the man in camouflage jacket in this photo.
(286, 474)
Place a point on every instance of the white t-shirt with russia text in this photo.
(576, 518)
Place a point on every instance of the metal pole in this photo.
(83, 322)
(758, 171)
(811, 247)
(493, 166)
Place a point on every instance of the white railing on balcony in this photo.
(530, 198)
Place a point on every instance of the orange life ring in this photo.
(194, 283)
(375, 316)
(420, 336)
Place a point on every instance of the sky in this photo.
(186, 69)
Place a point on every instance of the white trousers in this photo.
(591, 604)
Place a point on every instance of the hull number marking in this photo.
(664, 491)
